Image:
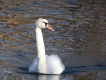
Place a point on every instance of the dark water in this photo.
(79, 38)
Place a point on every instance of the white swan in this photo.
(45, 64)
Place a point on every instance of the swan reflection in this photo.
(48, 77)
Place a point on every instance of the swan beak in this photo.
(49, 27)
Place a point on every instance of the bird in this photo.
(45, 64)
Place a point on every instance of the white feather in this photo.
(43, 63)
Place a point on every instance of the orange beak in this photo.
(49, 27)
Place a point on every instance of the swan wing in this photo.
(33, 65)
(54, 64)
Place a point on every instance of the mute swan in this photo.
(45, 64)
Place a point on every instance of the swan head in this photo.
(43, 24)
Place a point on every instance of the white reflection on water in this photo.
(48, 77)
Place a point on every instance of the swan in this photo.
(45, 64)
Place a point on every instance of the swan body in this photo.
(45, 64)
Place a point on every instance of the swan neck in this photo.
(40, 43)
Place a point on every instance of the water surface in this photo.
(79, 38)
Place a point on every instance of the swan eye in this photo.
(45, 23)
